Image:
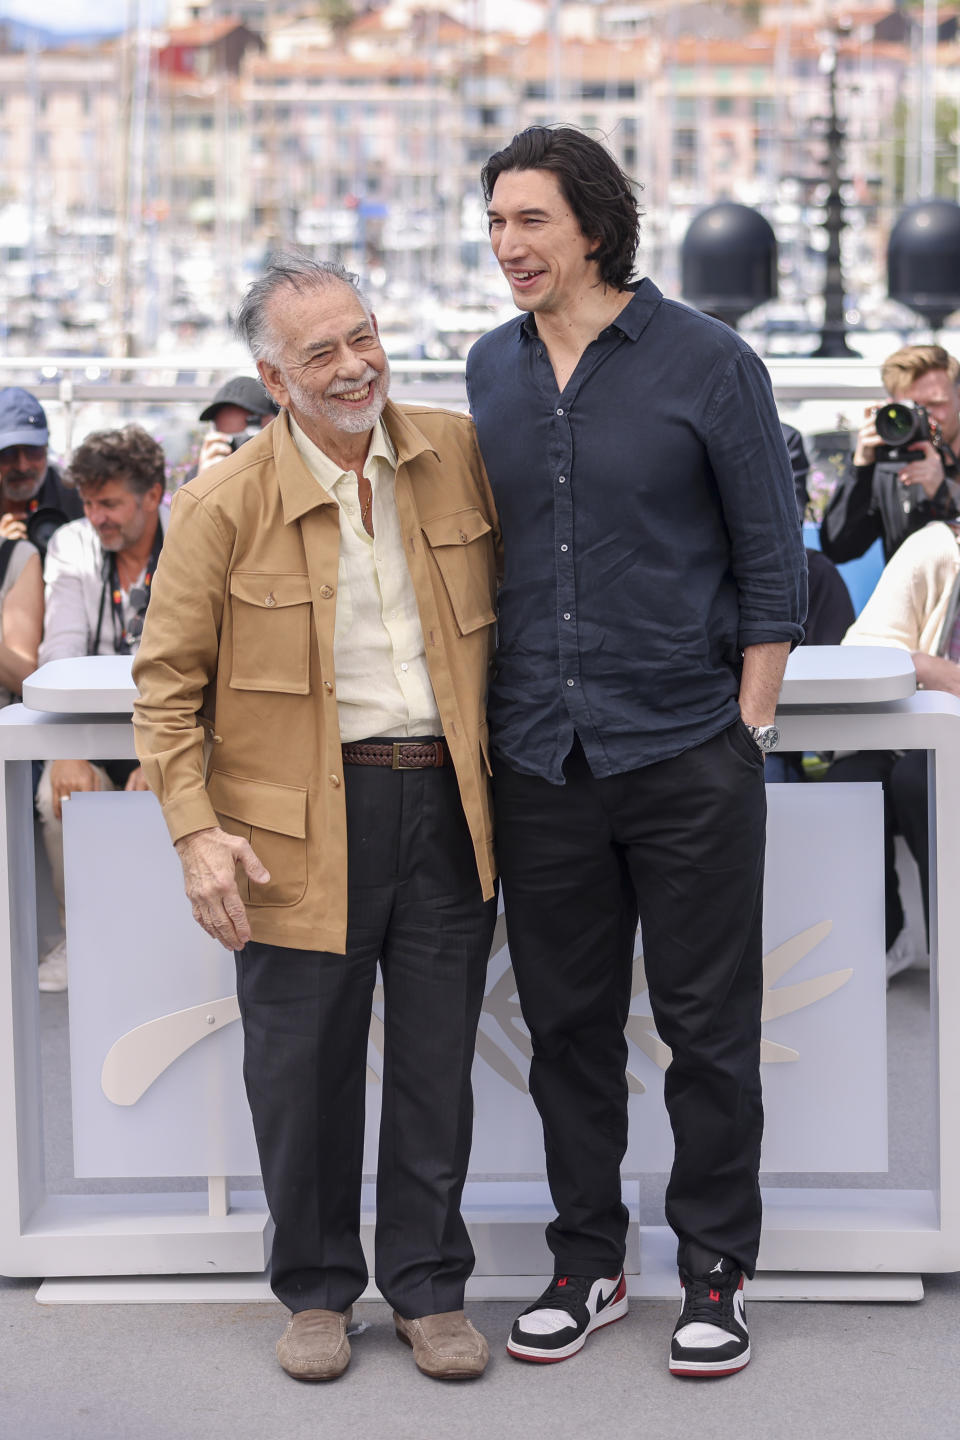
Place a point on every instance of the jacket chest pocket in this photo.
(273, 819)
(271, 617)
(461, 545)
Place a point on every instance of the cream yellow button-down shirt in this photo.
(383, 684)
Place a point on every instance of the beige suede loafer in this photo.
(314, 1345)
(446, 1347)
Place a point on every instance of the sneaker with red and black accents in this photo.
(711, 1336)
(556, 1326)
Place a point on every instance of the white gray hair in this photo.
(285, 268)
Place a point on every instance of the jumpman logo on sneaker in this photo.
(717, 1269)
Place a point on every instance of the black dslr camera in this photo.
(900, 425)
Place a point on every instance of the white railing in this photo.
(71, 381)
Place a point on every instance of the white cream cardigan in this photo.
(912, 599)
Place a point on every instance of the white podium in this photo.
(844, 1243)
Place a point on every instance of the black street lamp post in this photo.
(833, 334)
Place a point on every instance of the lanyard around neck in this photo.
(111, 587)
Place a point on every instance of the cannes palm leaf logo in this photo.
(140, 1057)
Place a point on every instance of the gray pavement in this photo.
(188, 1372)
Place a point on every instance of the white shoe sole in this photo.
(614, 1311)
(706, 1369)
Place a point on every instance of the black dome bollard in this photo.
(728, 261)
(923, 259)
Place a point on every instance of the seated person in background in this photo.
(830, 611)
(829, 607)
(98, 574)
(870, 502)
(28, 482)
(241, 404)
(829, 615)
(21, 615)
(799, 464)
(914, 607)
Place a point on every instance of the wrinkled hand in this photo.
(215, 447)
(867, 439)
(12, 527)
(66, 776)
(136, 780)
(927, 472)
(209, 859)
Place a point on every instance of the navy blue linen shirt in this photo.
(650, 534)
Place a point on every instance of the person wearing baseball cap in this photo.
(240, 407)
(28, 483)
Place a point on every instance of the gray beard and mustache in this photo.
(341, 417)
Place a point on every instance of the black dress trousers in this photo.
(415, 906)
(679, 845)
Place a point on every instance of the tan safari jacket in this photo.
(236, 721)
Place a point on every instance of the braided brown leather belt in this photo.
(396, 754)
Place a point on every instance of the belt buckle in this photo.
(396, 764)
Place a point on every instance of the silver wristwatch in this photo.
(766, 737)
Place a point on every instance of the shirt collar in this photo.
(326, 471)
(632, 320)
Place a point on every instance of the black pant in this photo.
(681, 845)
(904, 781)
(415, 906)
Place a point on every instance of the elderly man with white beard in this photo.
(312, 684)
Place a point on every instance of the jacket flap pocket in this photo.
(457, 529)
(256, 802)
(269, 590)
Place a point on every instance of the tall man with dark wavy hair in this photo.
(654, 584)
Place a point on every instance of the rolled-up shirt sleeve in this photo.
(748, 455)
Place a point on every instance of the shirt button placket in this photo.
(565, 517)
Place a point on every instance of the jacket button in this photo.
(335, 781)
(328, 687)
(463, 538)
(326, 591)
(270, 599)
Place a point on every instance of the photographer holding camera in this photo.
(34, 500)
(240, 408)
(904, 471)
